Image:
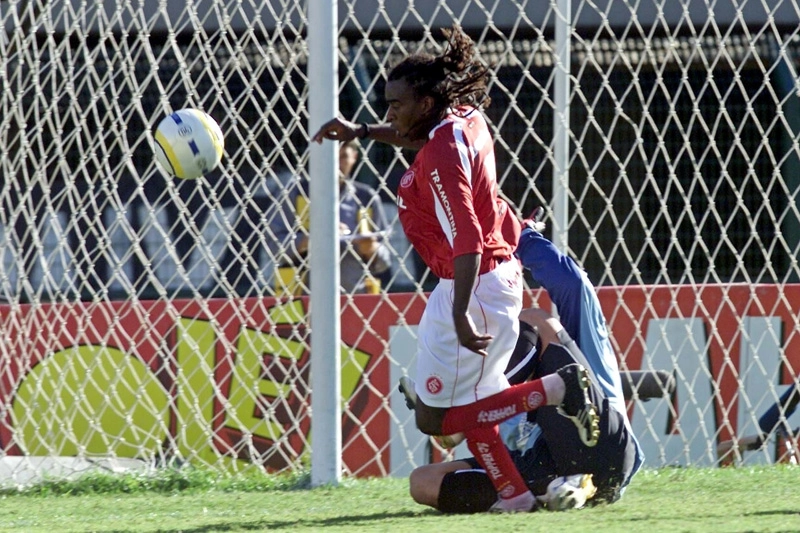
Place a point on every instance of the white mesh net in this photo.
(139, 319)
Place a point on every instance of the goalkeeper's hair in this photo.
(455, 77)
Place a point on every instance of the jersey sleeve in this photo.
(452, 188)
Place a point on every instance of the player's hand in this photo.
(337, 129)
(468, 336)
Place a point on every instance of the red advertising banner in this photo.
(227, 380)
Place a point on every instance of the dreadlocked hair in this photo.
(454, 78)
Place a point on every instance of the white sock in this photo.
(554, 389)
(521, 503)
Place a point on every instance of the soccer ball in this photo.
(568, 492)
(188, 143)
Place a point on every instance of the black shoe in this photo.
(576, 404)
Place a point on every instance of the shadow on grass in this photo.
(269, 525)
(776, 512)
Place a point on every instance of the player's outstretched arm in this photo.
(732, 449)
(339, 129)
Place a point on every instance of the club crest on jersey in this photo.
(434, 384)
(407, 178)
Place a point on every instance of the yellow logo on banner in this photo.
(88, 400)
(98, 400)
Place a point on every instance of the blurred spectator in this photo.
(362, 229)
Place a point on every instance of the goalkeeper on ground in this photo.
(561, 471)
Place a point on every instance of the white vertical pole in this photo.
(326, 422)
(561, 153)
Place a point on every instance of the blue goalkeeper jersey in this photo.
(580, 313)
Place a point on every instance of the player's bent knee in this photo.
(428, 428)
(423, 489)
(429, 419)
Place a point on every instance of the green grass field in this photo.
(674, 500)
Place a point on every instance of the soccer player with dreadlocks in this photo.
(451, 213)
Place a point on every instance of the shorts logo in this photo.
(434, 385)
(407, 178)
(514, 281)
(535, 399)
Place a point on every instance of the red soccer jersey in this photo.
(447, 199)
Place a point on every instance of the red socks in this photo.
(487, 447)
(491, 411)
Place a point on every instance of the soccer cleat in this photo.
(576, 404)
(568, 492)
(406, 387)
(534, 221)
(521, 503)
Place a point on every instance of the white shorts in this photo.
(449, 374)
